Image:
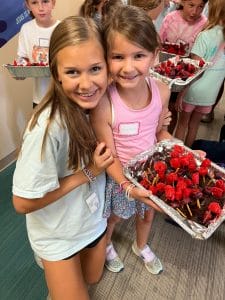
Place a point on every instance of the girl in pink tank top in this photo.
(129, 119)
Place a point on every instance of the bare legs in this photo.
(143, 227)
(187, 126)
(68, 279)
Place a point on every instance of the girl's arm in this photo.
(66, 184)
(161, 132)
(100, 118)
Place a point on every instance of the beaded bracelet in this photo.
(122, 184)
(87, 172)
(129, 188)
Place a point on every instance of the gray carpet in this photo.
(193, 269)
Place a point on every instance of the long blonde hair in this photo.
(71, 31)
(216, 15)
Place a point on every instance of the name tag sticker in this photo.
(93, 202)
(44, 42)
(129, 128)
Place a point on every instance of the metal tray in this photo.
(177, 84)
(164, 55)
(196, 230)
(28, 71)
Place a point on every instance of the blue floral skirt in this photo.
(117, 203)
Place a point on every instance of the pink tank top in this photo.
(134, 131)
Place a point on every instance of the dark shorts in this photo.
(91, 245)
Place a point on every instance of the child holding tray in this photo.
(34, 39)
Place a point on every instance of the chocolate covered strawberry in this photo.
(175, 48)
(180, 69)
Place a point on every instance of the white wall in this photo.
(16, 96)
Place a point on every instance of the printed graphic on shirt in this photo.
(40, 54)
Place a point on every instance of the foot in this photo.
(208, 118)
(48, 297)
(151, 261)
(113, 263)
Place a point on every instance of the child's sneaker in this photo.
(113, 263)
(48, 297)
(151, 261)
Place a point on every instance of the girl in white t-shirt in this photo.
(34, 39)
(59, 180)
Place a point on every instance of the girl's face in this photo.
(42, 11)
(82, 73)
(192, 10)
(128, 63)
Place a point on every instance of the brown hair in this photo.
(216, 14)
(89, 8)
(71, 31)
(134, 24)
(180, 5)
(146, 4)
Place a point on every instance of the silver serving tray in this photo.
(28, 71)
(177, 84)
(196, 230)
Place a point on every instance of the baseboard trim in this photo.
(8, 160)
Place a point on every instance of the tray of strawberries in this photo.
(189, 189)
(23, 69)
(179, 72)
(172, 49)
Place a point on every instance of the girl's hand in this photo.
(200, 153)
(167, 118)
(143, 196)
(103, 158)
(178, 104)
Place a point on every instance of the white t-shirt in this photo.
(33, 44)
(67, 225)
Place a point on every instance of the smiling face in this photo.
(42, 11)
(128, 63)
(82, 73)
(192, 10)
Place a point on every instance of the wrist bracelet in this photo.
(87, 172)
(129, 188)
(122, 184)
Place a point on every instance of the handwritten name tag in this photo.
(129, 128)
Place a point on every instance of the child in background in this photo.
(199, 98)
(168, 7)
(59, 181)
(98, 9)
(34, 39)
(129, 119)
(182, 25)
